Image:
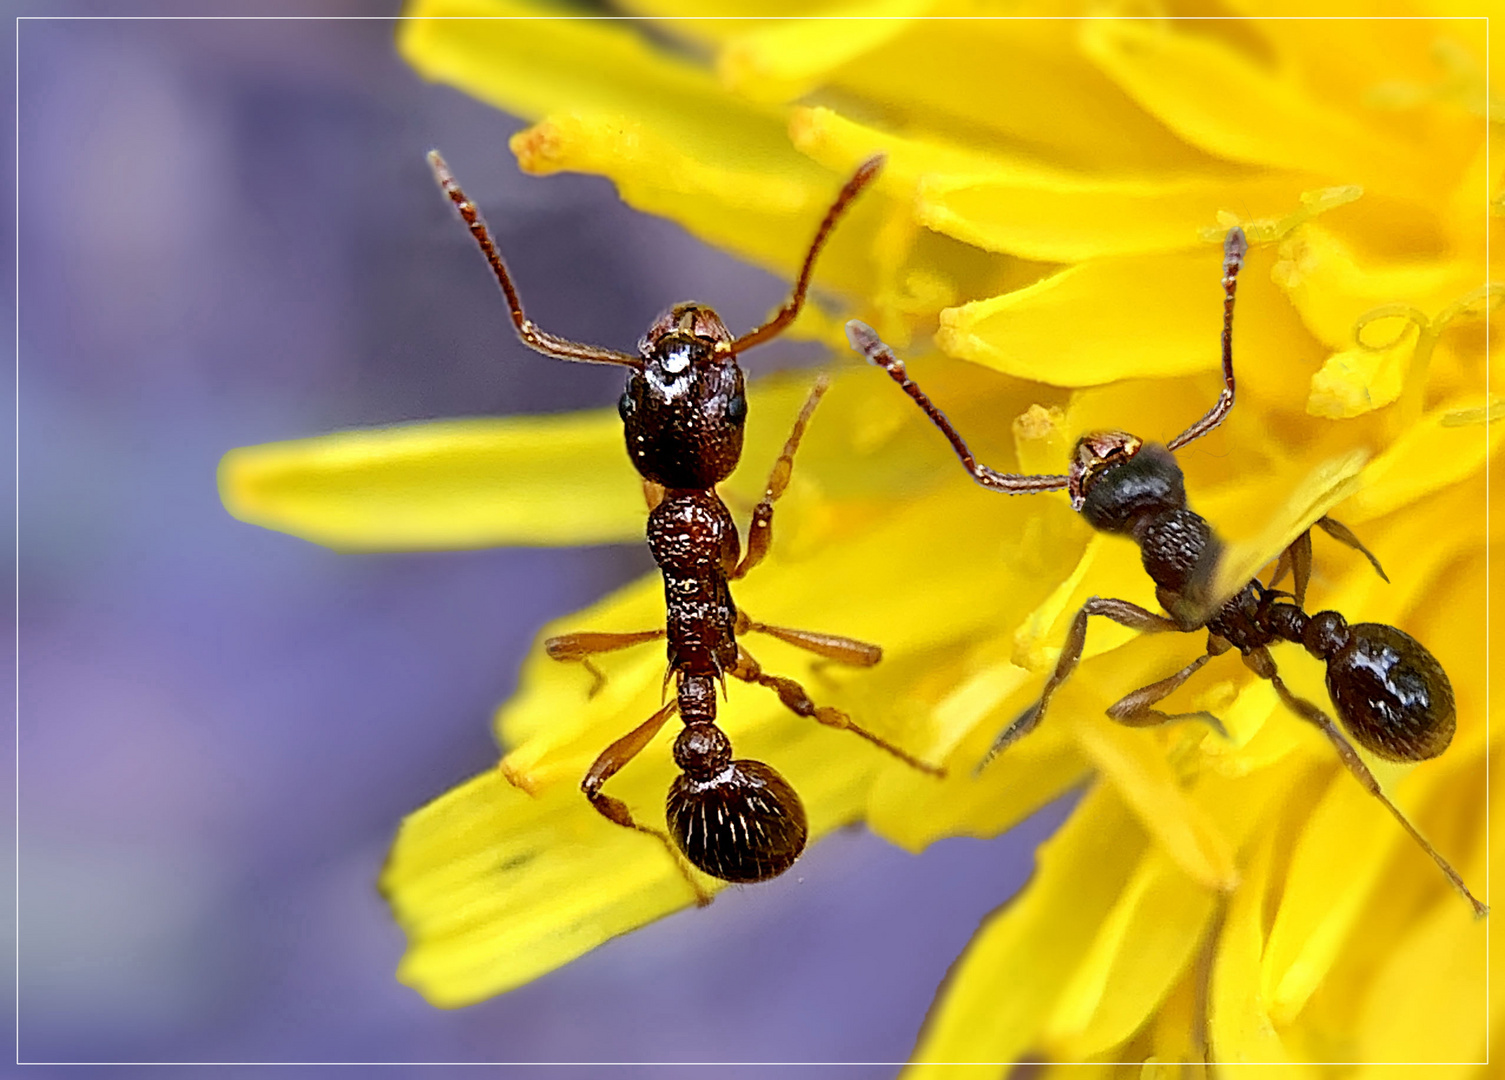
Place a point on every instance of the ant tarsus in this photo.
(683, 413)
(1391, 694)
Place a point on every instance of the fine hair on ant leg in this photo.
(683, 413)
(1392, 696)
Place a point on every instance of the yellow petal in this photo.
(494, 887)
(1136, 766)
(779, 61)
(451, 484)
(1429, 456)
(1427, 1002)
(1339, 857)
(1136, 957)
(1014, 970)
(1322, 489)
(1332, 285)
(1076, 218)
(1356, 381)
(672, 139)
(1017, 82)
(1239, 1023)
(1224, 101)
(1131, 317)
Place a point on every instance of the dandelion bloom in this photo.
(1049, 216)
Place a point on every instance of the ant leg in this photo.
(1262, 664)
(760, 531)
(1121, 612)
(794, 697)
(833, 647)
(1341, 533)
(1133, 709)
(1296, 560)
(531, 335)
(865, 174)
(579, 648)
(609, 763)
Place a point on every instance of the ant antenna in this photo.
(1235, 247)
(864, 175)
(866, 341)
(531, 335)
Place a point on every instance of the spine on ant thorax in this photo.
(694, 541)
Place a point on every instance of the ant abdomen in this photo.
(744, 824)
(1392, 694)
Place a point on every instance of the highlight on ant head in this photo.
(683, 410)
(1096, 452)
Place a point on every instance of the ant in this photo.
(683, 412)
(1391, 694)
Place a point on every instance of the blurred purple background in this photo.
(228, 236)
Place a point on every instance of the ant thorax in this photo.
(683, 410)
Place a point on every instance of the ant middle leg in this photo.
(1133, 709)
(1263, 665)
(1121, 612)
(608, 763)
(760, 530)
(579, 648)
(797, 700)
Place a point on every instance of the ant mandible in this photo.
(683, 412)
(1391, 694)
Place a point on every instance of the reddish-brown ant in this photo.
(683, 413)
(1391, 694)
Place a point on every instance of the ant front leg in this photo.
(579, 648)
(795, 698)
(1262, 664)
(1134, 710)
(609, 763)
(760, 531)
(1121, 612)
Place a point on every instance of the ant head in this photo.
(735, 820)
(1115, 480)
(1391, 694)
(1096, 452)
(684, 409)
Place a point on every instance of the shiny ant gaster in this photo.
(1391, 694)
(683, 413)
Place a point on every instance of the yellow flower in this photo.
(1049, 213)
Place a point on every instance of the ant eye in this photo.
(624, 404)
(745, 824)
(736, 408)
(1393, 696)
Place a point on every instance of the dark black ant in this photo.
(683, 412)
(1392, 695)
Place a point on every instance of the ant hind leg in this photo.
(608, 763)
(797, 700)
(1263, 665)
